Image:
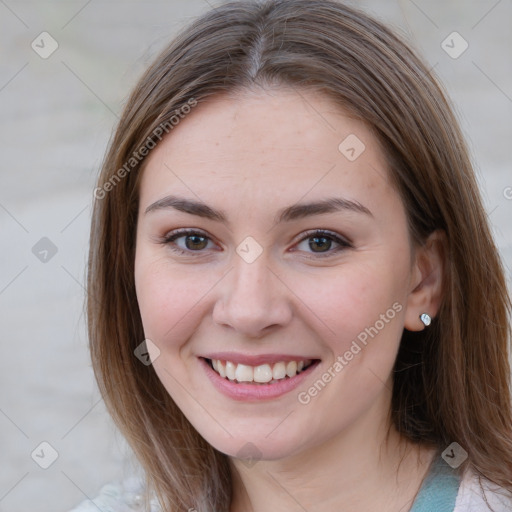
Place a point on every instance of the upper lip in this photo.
(256, 359)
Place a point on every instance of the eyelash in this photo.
(343, 244)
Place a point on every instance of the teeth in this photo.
(261, 374)
(279, 371)
(230, 370)
(244, 373)
(291, 368)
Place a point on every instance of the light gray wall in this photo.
(56, 117)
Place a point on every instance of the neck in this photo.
(367, 467)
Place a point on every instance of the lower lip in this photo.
(245, 392)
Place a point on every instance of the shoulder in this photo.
(119, 496)
(480, 495)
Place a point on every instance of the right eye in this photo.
(192, 241)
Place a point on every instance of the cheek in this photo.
(166, 299)
(361, 309)
(352, 300)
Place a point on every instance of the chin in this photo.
(258, 447)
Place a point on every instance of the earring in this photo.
(425, 318)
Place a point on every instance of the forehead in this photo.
(286, 142)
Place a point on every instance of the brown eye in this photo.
(321, 242)
(193, 241)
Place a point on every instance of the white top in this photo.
(126, 496)
(119, 496)
(471, 499)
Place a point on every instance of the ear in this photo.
(426, 286)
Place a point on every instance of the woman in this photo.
(295, 302)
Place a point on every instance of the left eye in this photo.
(320, 242)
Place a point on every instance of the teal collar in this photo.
(439, 490)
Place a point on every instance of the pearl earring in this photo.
(425, 318)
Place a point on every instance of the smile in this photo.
(261, 374)
(267, 378)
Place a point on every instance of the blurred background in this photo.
(66, 68)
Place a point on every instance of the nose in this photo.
(253, 299)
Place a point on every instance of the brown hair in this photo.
(451, 381)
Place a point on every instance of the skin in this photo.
(250, 155)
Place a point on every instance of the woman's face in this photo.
(248, 281)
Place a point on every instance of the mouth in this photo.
(260, 375)
(268, 378)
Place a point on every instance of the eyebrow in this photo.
(290, 213)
